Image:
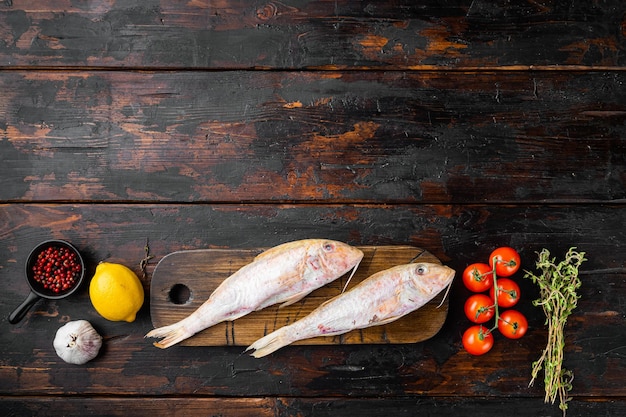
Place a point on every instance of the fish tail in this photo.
(270, 343)
(172, 334)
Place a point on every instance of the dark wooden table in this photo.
(454, 126)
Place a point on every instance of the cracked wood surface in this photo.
(453, 126)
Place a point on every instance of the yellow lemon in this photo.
(116, 292)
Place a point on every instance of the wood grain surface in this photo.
(137, 129)
(384, 137)
(184, 280)
(313, 34)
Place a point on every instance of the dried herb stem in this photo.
(558, 284)
(143, 264)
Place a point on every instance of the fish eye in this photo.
(329, 247)
(421, 270)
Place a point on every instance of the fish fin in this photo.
(287, 282)
(326, 302)
(270, 343)
(386, 321)
(294, 298)
(172, 335)
(280, 248)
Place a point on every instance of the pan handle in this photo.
(19, 313)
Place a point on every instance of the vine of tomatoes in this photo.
(495, 279)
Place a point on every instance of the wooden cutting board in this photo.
(182, 282)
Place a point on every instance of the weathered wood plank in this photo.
(297, 407)
(447, 231)
(305, 34)
(146, 406)
(391, 137)
(454, 126)
(458, 235)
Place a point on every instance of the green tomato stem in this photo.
(496, 292)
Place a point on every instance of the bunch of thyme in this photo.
(558, 284)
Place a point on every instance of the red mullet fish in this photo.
(283, 274)
(382, 298)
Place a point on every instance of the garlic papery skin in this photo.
(77, 342)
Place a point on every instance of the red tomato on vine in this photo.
(477, 340)
(507, 261)
(478, 277)
(508, 292)
(512, 324)
(479, 308)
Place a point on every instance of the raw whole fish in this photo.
(382, 298)
(283, 274)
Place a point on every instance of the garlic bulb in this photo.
(77, 342)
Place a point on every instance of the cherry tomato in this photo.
(507, 261)
(508, 292)
(478, 277)
(477, 340)
(479, 308)
(512, 324)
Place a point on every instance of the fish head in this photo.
(430, 278)
(337, 258)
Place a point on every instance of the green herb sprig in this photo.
(558, 284)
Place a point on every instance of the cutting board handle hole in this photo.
(180, 294)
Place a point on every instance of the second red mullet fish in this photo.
(380, 299)
(283, 274)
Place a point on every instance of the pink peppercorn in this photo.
(56, 268)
